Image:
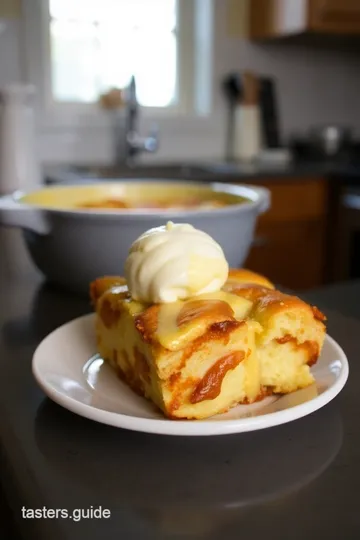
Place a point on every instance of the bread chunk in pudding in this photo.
(199, 357)
(291, 338)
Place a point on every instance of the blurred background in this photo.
(237, 91)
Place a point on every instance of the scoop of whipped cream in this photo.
(174, 262)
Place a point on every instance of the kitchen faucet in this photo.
(129, 143)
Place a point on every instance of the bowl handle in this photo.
(15, 214)
(264, 198)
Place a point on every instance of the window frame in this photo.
(37, 69)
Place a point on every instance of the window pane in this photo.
(139, 13)
(98, 44)
(155, 62)
(81, 10)
(116, 53)
(74, 61)
(151, 57)
(125, 12)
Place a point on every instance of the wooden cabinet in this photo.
(277, 18)
(335, 15)
(290, 241)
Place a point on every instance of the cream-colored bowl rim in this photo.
(85, 192)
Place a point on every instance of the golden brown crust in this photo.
(266, 300)
(103, 284)
(275, 302)
(242, 275)
(217, 320)
(209, 312)
(147, 322)
(237, 277)
(269, 302)
(317, 314)
(246, 290)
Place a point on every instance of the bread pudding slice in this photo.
(193, 358)
(200, 357)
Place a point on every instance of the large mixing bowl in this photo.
(72, 246)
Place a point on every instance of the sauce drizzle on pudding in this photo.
(210, 385)
(214, 310)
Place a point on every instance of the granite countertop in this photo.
(292, 169)
(297, 481)
(205, 171)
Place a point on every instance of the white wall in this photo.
(314, 86)
(10, 54)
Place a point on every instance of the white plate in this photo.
(69, 371)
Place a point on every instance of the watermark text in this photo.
(77, 514)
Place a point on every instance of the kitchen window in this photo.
(89, 46)
(99, 44)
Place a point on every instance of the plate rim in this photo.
(207, 427)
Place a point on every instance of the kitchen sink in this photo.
(80, 173)
(208, 172)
